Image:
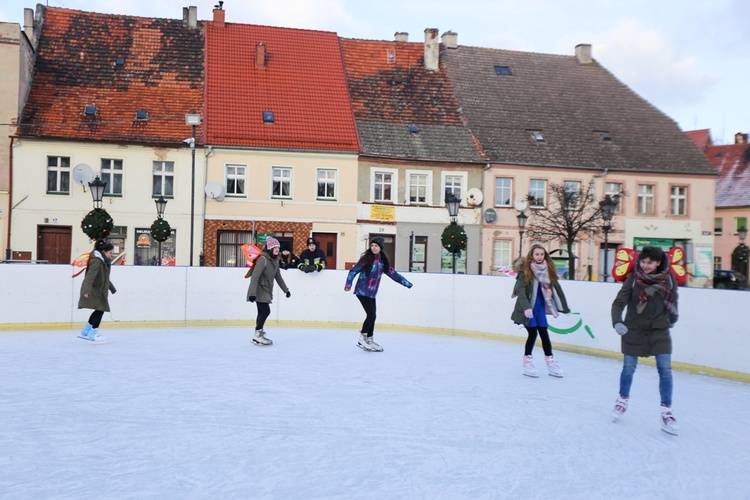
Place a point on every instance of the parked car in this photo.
(726, 278)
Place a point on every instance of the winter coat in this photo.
(648, 332)
(96, 284)
(266, 269)
(526, 297)
(308, 258)
(368, 283)
(289, 261)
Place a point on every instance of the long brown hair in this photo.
(551, 268)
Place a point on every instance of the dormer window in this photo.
(413, 129)
(89, 111)
(537, 135)
(390, 56)
(141, 115)
(119, 62)
(268, 117)
(503, 70)
(604, 135)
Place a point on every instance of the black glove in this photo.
(288, 294)
(252, 298)
(319, 267)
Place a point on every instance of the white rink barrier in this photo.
(710, 332)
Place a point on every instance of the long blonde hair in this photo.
(551, 268)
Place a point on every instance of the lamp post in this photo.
(161, 204)
(742, 233)
(97, 187)
(194, 120)
(607, 206)
(522, 220)
(451, 203)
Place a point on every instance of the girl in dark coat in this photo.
(371, 267)
(95, 289)
(260, 291)
(538, 294)
(650, 295)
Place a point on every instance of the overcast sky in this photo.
(689, 58)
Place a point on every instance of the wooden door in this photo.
(327, 243)
(53, 244)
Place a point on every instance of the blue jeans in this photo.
(663, 366)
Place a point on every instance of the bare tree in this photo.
(570, 215)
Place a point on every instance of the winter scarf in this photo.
(102, 257)
(541, 273)
(651, 284)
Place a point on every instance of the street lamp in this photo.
(452, 203)
(607, 206)
(97, 187)
(742, 233)
(161, 205)
(522, 220)
(194, 120)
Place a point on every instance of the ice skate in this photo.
(553, 368)
(85, 332)
(374, 346)
(259, 338)
(668, 422)
(95, 338)
(621, 405)
(528, 367)
(364, 343)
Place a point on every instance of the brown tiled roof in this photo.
(733, 163)
(701, 138)
(76, 66)
(391, 89)
(575, 107)
(302, 83)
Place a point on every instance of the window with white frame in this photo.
(281, 182)
(58, 174)
(503, 191)
(717, 262)
(236, 176)
(572, 192)
(501, 253)
(645, 199)
(678, 200)
(718, 226)
(537, 193)
(327, 184)
(163, 179)
(419, 184)
(454, 182)
(614, 191)
(383, 184)
(112, 175)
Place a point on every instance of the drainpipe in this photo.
(591, 231)
(8, 251)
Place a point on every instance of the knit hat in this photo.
(311, 241)
(379, 241)
(272, 243)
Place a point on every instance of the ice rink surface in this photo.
(202, 413)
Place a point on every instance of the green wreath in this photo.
(160, 230)
(97, 224)
(741, 253)
(454, 238)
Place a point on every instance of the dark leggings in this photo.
(96, 319)
(546, 344)
(264, 311)
(368, 304)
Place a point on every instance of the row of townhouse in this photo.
(300, 133)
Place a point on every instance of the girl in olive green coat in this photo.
(260, 291)
(95, 289)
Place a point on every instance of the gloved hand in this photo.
(288, 294)
(252, 298)
(621, 329)
(528, 313)
(409, 285)
(319, 267)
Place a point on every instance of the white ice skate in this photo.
(374, 346)
(553, 368)
(528, 367)
(259, 338)
(621, 406)
(364, 343)
(668, 422)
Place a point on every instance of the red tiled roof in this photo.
(76, 67)
(303, 84)
(733, 184)
(701, 138)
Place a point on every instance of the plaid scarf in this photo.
(654, 283)
(541, 273)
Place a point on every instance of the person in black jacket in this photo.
(287, 259)
(312, 258)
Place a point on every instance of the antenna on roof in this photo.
(220, 5)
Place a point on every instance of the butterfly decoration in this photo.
(625, 262)
(251, 253)
(81, 262)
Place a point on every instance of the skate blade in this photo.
(531, 376)
(366, 349)
(671, 432)
(556, 376)
(262, 345)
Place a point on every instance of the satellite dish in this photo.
(215, 191)
(83, 174)
(474, 197)
(521, 204)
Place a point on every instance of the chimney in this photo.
(431, 49)
(28, 24)
(740, 138)
(583, 53)
(190, 16)
(219, 16)
(260, 56)
(401, 36)
(450, 39)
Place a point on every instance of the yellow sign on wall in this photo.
(382, 212)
